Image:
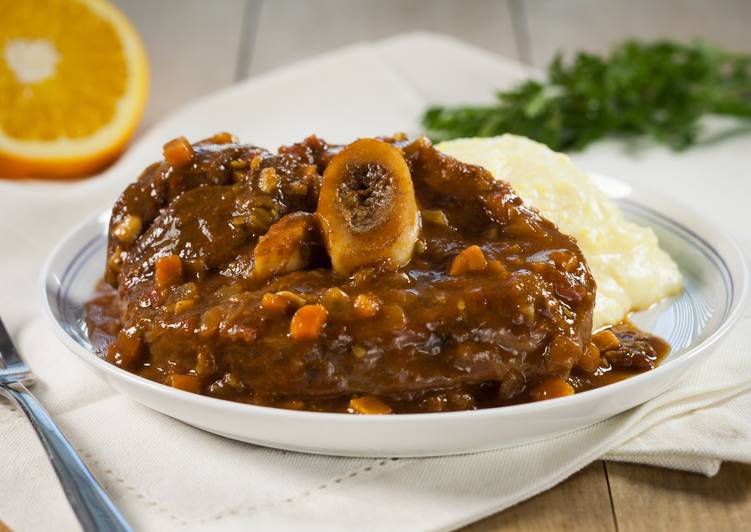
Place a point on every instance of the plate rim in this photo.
(740, 282)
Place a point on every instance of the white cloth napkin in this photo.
(165, 475)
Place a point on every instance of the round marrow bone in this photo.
(367, 208)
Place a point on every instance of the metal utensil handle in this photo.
(90, 502)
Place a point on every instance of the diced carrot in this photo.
(189, 383)
(550, 388)
(606, 340)
(366, 306)
(369, 404)
(470, 260)
(178, 152)
(168, 271)
(308, 322)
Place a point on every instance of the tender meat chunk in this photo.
(216, 161)
(161, 183)
(195, 227)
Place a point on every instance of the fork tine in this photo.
(9, 356)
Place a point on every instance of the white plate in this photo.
(715, 284)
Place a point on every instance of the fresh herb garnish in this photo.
(658, 89)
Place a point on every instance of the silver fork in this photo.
(92, 506)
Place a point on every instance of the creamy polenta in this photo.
(630, 269)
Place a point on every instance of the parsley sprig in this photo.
(659, 89)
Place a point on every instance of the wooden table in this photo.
(626, 498)
(253, 36)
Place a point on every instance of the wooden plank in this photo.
(649, 498)
(581, 503)
(289, 30)
(192, 47)
(596, 25)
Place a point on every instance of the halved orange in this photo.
(73, 84)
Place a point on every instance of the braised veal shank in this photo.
(376, 277)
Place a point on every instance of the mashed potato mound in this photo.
(630, 269)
